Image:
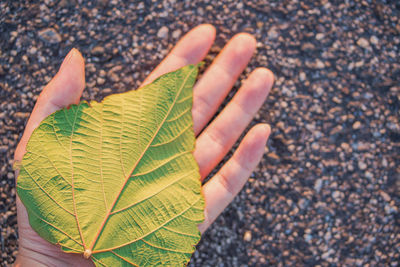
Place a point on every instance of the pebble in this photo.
(3, 149)
(98, 51)
(337, 196)
(176, 34)
(247, 236)
(356, 125)
(385, 196)
(363, 43)
(302, 76)
(100, 81)
(319, 64)
(319, 36)
(374, 40)
(318, 185)
(163, 32)
(50, 36)
(273, 34)
(362, 166)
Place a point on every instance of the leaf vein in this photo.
(154, 194)
(55, 201)
(139, 159)
(174, 138)
(157, 228)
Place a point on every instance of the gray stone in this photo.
(50, 36)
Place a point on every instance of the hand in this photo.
(213, 142)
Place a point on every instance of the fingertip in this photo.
(252, 146)
(206, 29)
(266, 74)
(73, 56)
(261, 131)
(76, 65)
(67, 86)
(196, 39)
(245, 39)
(237, 53)
(261, 78)
(78, 57)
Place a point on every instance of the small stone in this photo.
(356, 125)
(273, 156)
(374, 40)
(21, 115)
(50, 35)
(315, 146)
(384, 162)
(345, 147)
(247, 236)
(361, 165)
(318, 185)
(319, 36)
(319, 64)
(307, 238)
(369, 175)
(302, 76)
(107, 91)
(163, 32)
(319, 91)
(97, 51)
(149, 46)
(363, 43)
(385, 196)
(272, 33)
(3, 149)
(112, 73)
(176, 34)
(336, 195)
(389, 209)
(100, 81)
(307, 47)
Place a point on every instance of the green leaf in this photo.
(117, 180)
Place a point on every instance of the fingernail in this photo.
(68, 58)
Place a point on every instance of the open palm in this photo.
(213, 141)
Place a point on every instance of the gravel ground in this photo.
(328, 189)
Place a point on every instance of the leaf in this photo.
(117, 180)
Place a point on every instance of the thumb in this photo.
(63, 90)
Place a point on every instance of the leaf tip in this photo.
(200, 64)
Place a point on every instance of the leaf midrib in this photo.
(137, 162)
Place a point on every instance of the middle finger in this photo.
(217, 81)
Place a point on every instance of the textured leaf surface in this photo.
(117, 180)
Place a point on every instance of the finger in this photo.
(64, 89)
(218, 80)
(226, 184)
(218, 138)
(191, 49)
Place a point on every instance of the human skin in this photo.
(213, 140)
